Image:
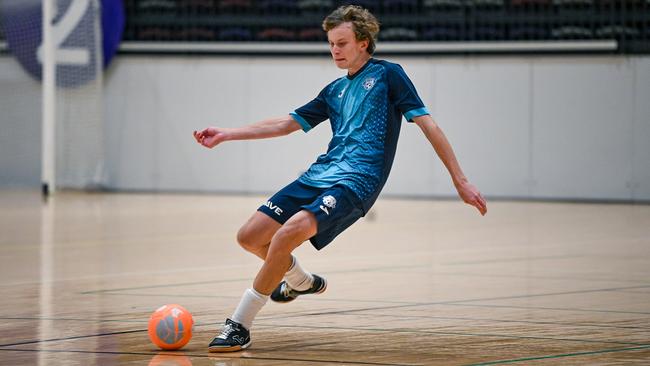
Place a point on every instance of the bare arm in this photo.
(441, 145)
(273, 127)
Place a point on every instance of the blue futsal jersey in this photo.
(365, 112)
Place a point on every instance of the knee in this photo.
(288, 238)
(280, 244)
(246, 239)
(279, 250)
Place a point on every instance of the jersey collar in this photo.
(351, 77)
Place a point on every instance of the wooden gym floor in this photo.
(418, 282)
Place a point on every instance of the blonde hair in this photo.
(364, 24)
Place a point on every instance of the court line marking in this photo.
(588, 353)
(405, 303)
(516, 259)
(170, 295)
(181, 284)
(39, 318)
(420, 331)
(337, 328)
(450, 302)
(558, 278)
(507, 321)
(457, 302)
(210, 356)
(394, 316)
(293, 346)
(71, 338)
(125, 274)
(370, 269)
(634, 292)
(461, 302)
(641, 346)
(142, 321)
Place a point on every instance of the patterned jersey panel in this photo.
(365, 112)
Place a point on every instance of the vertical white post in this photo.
(45, 329)
(48, 171)
(48, 152)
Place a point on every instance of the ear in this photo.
(363, 45)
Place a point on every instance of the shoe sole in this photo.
(229, 349)
(314, 293)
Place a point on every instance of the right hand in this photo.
(210, 137)
(470, 195)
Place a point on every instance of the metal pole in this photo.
(48, 153)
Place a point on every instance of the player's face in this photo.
(347, 52)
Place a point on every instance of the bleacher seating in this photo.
(627, 21)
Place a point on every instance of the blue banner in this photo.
(75, 36)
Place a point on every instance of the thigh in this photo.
(335, 210)
(299, 228)
(289, 201)
(258, 230)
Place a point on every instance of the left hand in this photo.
(471, 195)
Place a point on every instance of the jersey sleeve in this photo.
(403, 94)
(312, 113)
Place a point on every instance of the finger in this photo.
(481, 205)
(477, 205)
(483, 201)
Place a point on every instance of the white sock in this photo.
(251, 303)
(297, 278)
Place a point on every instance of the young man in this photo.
(365, 110)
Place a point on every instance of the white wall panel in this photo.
(212, 93)
(156, 105)
(278, 87)
(641, 131)
(578, 127)
(582, 117)
(483, 107)
(20, 126)
(131, 124)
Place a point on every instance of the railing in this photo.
(427, 26)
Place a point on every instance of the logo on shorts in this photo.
(368, 83)
(277, 210)
(329, 203)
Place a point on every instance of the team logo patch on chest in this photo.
(368, 83)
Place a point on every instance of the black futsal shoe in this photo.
(284, 293)
(234, 337)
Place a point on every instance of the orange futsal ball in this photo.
(170, 327)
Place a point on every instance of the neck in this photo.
(359, 64)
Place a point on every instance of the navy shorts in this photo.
(335, 208)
